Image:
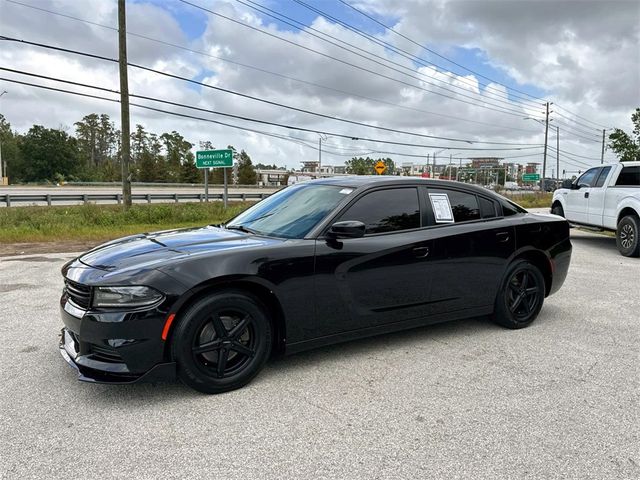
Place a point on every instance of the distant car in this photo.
(605, 197)
(316, 263)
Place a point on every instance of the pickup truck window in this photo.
(629, 177)
(588, 178)
(602, 177)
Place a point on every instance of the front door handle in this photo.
(502, 237)
(421, 252)
(586, 194)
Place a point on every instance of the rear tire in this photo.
(520, 297)
(221, 342)
(628, 236)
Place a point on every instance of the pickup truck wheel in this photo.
(628, 236)
(557, 210)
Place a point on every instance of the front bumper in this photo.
(95, 371)
(115, 347)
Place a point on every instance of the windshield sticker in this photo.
(346, 191)
(441, 207)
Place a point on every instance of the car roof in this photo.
(357, 181)
(624, 164)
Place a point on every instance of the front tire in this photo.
(520, 297)
(628, 236)
(557, 210)
(221, 342)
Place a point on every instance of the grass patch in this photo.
(532, 200)
(103, 222)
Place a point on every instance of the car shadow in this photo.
(166, 392)
(594, 240)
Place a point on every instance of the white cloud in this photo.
(584, 54)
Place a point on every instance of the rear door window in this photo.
(464, 206)
(487, 207)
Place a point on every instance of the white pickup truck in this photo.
(605, 197)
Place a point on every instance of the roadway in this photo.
(465, 399)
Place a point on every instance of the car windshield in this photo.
(292, 212)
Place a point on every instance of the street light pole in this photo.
(602, 154)
(544, 158)
(558, 151)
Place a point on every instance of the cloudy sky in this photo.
(459, 78)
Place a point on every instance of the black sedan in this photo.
(317, 263)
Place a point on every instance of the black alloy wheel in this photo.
(521, 295)
(628, 236)
(221, 342)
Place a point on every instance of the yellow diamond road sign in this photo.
(380, 167)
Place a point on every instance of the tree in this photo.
(626, 146)
(246, 174)
(96, 135)
(150, 165)
(48, 154)
(365, 166)
(10, 151)
(176, 148)
(360, 166)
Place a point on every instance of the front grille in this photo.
(78, 294)
(105, 354)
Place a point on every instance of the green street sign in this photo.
(214, 158)
(531, 177)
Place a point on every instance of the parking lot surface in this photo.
(466, 399)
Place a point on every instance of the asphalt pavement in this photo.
(466, 399)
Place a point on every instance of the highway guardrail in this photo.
(10, 200)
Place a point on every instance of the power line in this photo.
(269, 102)
(252, 67)
(372, 72)
(290, 127)
(577, 123)
(455, 63)
(307, 29)
(570, 131)
(597, 125)
(399, 50)
(434, 52)
(572, 155)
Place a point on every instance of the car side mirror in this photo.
(347, 229)
(567, 184)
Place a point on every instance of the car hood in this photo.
(151, 249)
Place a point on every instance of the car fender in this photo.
(558, 196)
(630, 201)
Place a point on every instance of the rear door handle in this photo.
(586, 194)
(421, 252)
(502, 237)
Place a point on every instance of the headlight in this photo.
(125, 296)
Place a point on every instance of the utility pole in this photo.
(319, 154)
(558, 150)
(546, 138)
(124, 103)
(3, 173)
(602, 154)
